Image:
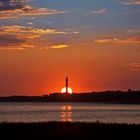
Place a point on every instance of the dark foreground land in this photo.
(67, 130)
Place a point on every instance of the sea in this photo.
(72, 112)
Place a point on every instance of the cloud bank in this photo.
(20, 8)
(22, 37)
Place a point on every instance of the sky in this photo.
(96, 43)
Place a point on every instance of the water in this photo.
(85, 112)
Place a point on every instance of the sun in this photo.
(63, 90)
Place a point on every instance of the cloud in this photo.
(119, 40)
(22, 37)
(133, 31)
(135, 66)
(58, 46)
(20, 47)
(129, 2)
(12, 4)
(27, 32)
(103, 40)
(19, 8)
(11, 42)
(29, 23)
(99, 11)
(12, 48)
(72, 31)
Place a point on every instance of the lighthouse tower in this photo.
(67, 84)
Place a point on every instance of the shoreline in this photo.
(121, 103)
(68, 122)
(63, 130)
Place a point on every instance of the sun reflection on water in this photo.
(66, 113)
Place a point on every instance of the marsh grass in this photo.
(68, 130)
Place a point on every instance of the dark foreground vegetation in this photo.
(67, 130)
(107, 96)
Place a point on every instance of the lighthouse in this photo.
(67, 84)
(66, 89)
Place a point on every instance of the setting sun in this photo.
(63, 90)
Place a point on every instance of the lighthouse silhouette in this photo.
(67, 84)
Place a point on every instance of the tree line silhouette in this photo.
(104, 96)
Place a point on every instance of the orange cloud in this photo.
(16, 9)
(23, 29)
(119, 40)
(15, 36)
(20, 47)
(103, 40)
(128, 2)
(28, 11)
(27, 33)
(58, 46)
(12, 48)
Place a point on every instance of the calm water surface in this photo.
(87, 112)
